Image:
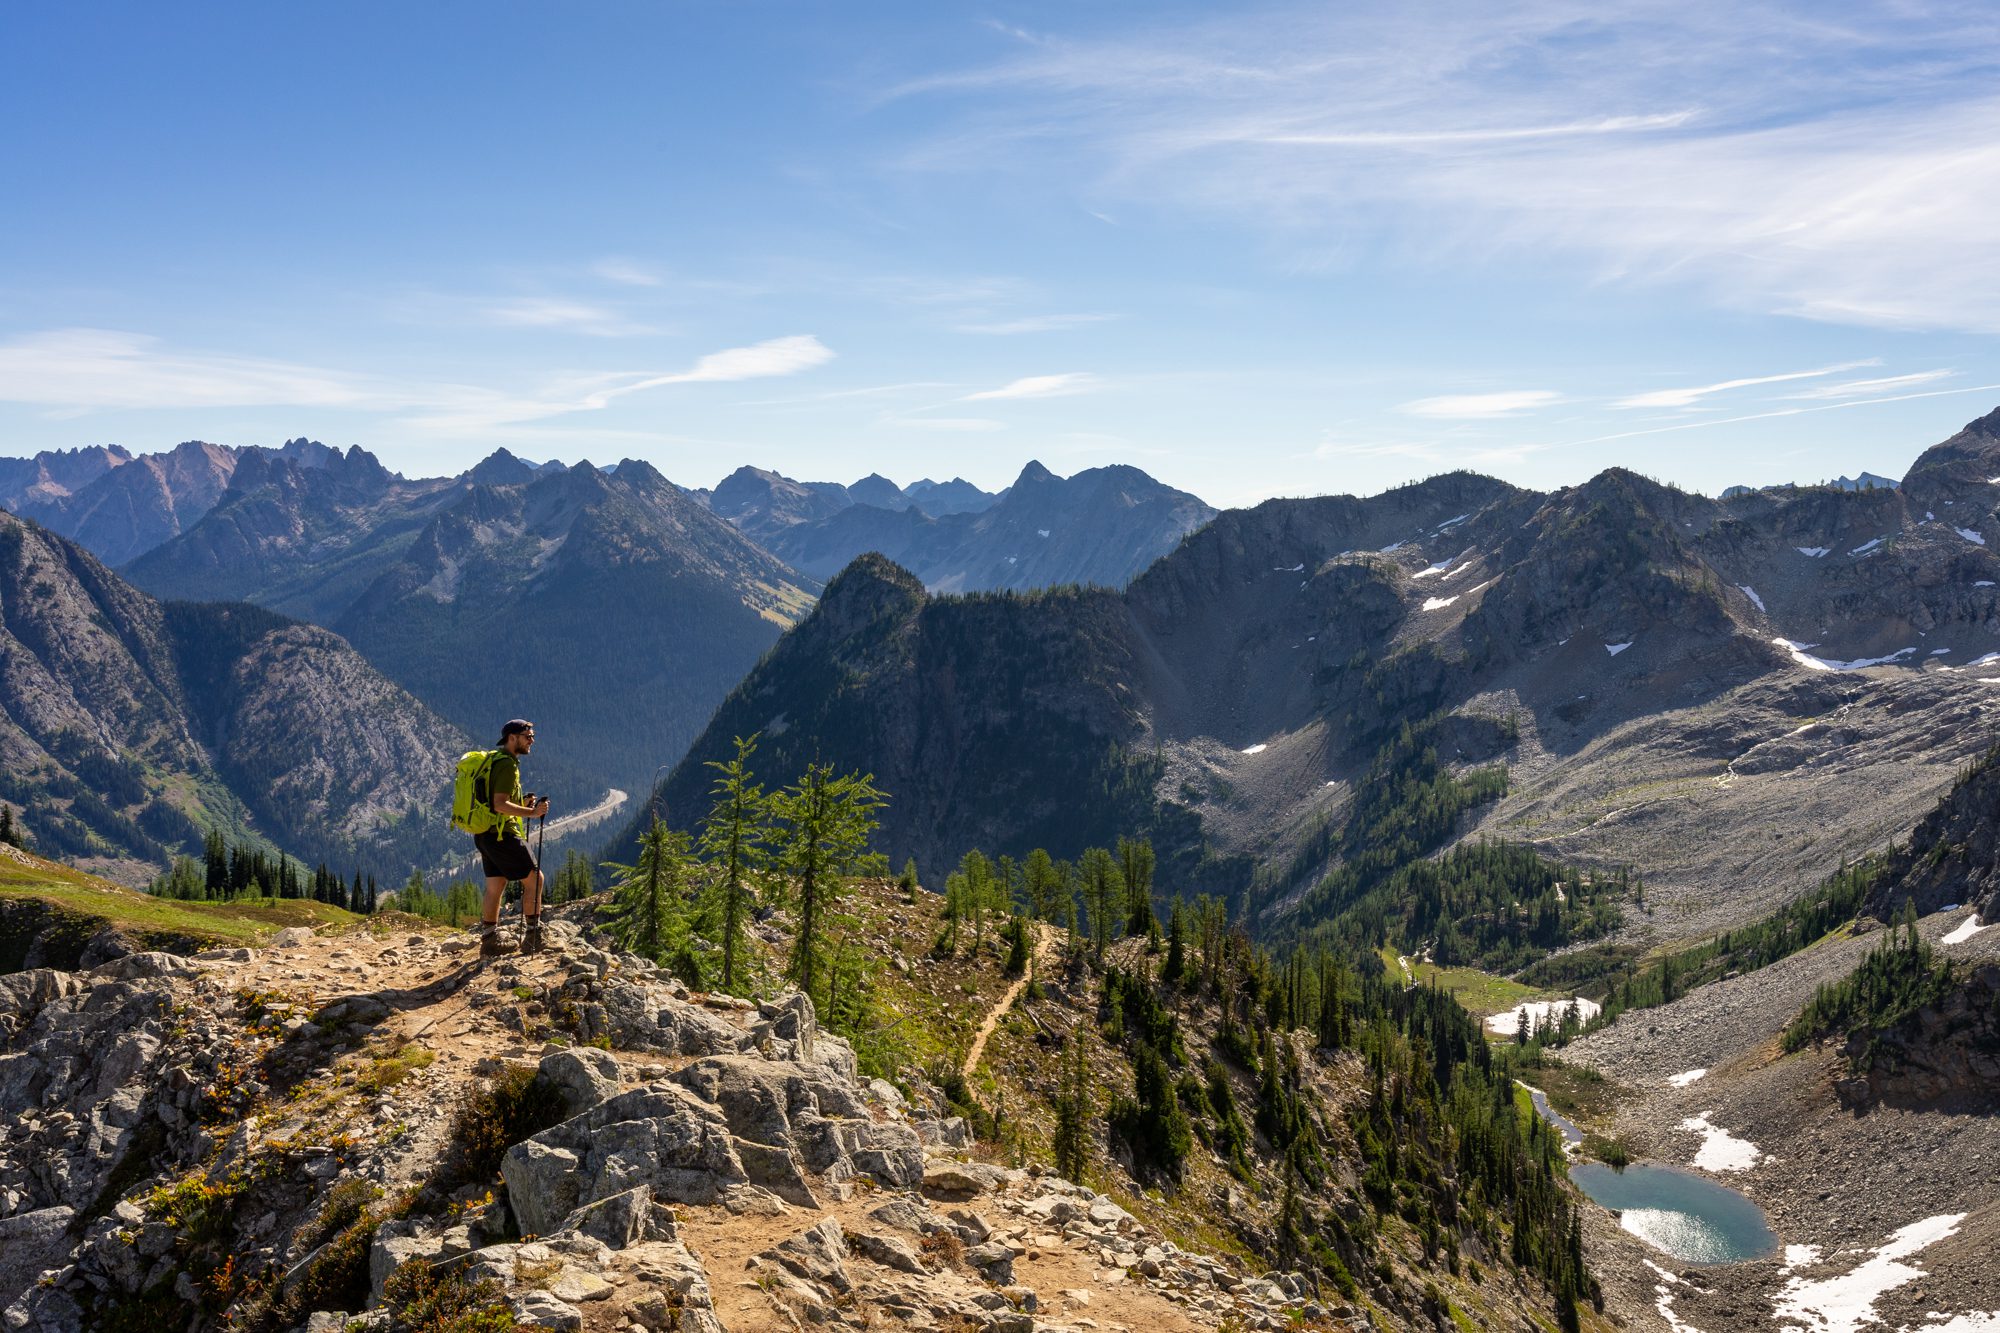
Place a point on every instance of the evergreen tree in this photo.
(1043, 885)
(649, 899)
(1075, 1108)
(1103, 892)
(1176, 966)
(7, 833)
(824, 824)
(907, 881)
(1018, 953)
(734, 841)
(575, 879)
(216, 850)
(1135, 868)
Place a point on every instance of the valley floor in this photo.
(1848, 1194)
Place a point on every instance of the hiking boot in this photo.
(493, 944)
(531, 940)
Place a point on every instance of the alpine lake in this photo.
(1686, 1215)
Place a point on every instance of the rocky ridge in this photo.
(277, 1137)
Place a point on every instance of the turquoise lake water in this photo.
(1690, 1217)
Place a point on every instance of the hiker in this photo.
(503, 848)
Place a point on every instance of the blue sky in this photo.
(1256, 250)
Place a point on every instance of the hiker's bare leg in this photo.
(531, 894)
(496, 885)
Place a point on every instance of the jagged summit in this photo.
(501, 468)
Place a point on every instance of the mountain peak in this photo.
(1033, 474)
(501, 468)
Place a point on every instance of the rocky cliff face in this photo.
(346, 1132)
(130, 509)
(128, 727)
(608, 607)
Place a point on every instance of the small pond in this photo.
(1689, 1216)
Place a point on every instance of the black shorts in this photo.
(504, 858)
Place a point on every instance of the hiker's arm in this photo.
(507, 805)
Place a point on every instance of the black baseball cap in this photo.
(516, 724)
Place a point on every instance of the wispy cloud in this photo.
(945, 423)
(1706, 423)
(1687, 397)
(1841, 167)
(102, 369)
(1036, 324)
(626, 273)
(107, 368)
(1866, 388)
(1038, 386)
(1481, 406)
(556, 313)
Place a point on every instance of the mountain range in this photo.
(558, 555)
(1100, 526)
(1735, 695)
(607, 605)
(129, 727)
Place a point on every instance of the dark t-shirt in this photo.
(505, 780)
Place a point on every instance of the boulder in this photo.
(541, 1309)
(142, 966)
(585, 1075)
(396, 1243)
(810, 1112)
(621, 1220)
(661, 1137)
(818, 1254)
(887, 1251)
(961, 1179)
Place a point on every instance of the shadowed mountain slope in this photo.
(1733, 695)
(128, 727)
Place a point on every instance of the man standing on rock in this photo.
(503, 850)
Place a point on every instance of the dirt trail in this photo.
(1044, 936)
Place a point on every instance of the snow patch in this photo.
(1258, 748)
(1844, 1303)
(1970, 536)
(1682, 1080)
(1939, 652)
(1800, 1256)
(1041, 532)
(1440, 603)
(1720, 1150)
(1807, 660)
(1982, 583)
(1011, 559)
(1438, 568)
(1751, 593)
(1392, 548)
(1452, 522)
(1540, 1013)
(1987, 660)
(1965, 930)
(1866, 546)
(1616, 648)
(1814, 551)
(1663, 1292)
(1276, 569)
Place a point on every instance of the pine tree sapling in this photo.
(735, 841)
(824, 825)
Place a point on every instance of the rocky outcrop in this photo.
(1947, 1054)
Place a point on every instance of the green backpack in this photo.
(471, 801)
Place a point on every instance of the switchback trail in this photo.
(1043, 934)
